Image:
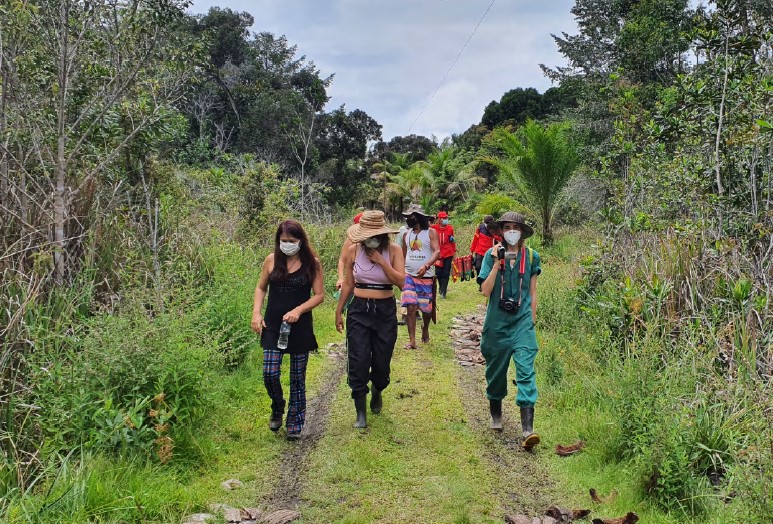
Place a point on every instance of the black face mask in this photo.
(411, 222)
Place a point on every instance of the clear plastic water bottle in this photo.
(284, 335)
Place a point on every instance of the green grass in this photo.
(575, 390)
(426, 458)
(419, 460)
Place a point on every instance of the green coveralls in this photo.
(507, 335)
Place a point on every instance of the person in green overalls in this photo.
(509, 275)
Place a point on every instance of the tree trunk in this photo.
(547, 231)
(60, 204)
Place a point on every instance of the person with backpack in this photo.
(509, 281)
(445, 233)
(487, 233)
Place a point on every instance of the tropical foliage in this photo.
(537, 163)
(146, 154)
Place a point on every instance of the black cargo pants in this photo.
(371, 333)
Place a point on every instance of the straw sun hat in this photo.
(372, 223)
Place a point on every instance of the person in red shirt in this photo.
(487, 233)
(445, 233)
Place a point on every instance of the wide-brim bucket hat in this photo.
(415, 209)
(371, 224)
(517, 218)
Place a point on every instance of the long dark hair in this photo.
(307, 254)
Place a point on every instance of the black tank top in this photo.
(283, 297)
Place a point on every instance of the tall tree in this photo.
(226, 31)
(417, 146)
(89, 79)
(537, 162)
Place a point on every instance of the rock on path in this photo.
(465, 338)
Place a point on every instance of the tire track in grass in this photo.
(293, 464)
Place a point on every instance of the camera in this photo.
(510, 305)
(501, 253)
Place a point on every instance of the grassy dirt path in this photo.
(428, 457)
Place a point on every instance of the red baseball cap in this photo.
(357, 217)
(442, 214)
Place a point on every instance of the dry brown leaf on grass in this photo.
(606, 500)
(250, 513)
(630, 518)
(282, 516)
(517, 519)
(566, 515)
(523, 519)
(565, 451)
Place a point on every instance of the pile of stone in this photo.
(465, 338)
(221, 512)
(336, 350)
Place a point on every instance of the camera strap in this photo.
(521, 272)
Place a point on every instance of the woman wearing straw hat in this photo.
(373, 265)
(421, 249)
(509, 280)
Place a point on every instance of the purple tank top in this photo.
(367, 272)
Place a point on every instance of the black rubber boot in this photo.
(530, 439)
(376, 402)
(362, 421)
(277, 410)
(495, 407)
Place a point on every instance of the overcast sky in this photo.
(389, 56)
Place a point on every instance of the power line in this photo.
(450, 68)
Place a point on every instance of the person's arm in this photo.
(489, 271)
(474, 244)
(344, 249)
(404, 246)
(347, 288)
(258, 323)
(434, 243)
(318, 286)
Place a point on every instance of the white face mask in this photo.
(289, 248)
(371, 242)
(444, 221)
(512, 237)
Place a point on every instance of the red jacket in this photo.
(445, 235)
(483, 240)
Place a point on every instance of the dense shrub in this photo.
(688, 356)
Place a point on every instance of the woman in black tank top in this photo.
(289, 276)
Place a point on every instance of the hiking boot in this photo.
(530, 439)
(359, 405)
(277, 410)
(495, 407)
(376, 402)
(293, 437)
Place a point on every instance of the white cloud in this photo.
(388, 56)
